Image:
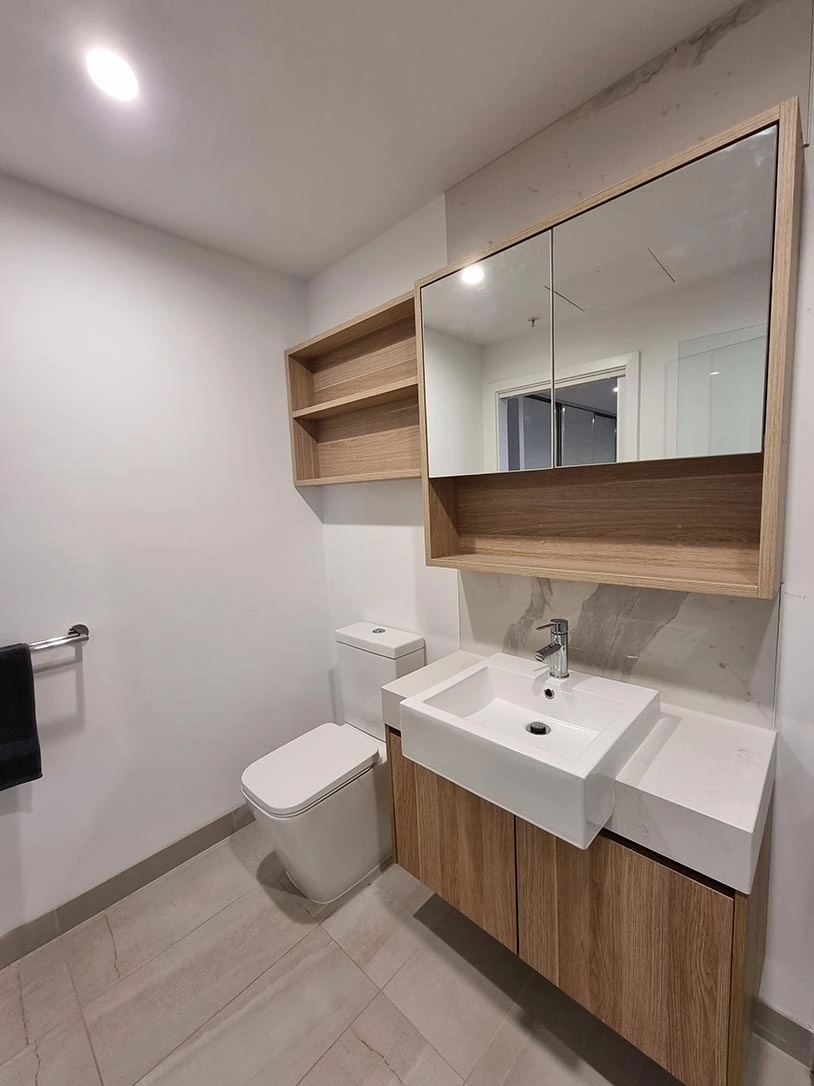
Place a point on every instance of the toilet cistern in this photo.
(556, 651)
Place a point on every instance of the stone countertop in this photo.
(697, 790)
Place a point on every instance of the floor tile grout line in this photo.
(148, 961)
(426, 1040)
(220, 1010)
(91, 1045)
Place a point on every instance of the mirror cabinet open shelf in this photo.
(353, 399)
(604, 397)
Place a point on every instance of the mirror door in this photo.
(636, 330)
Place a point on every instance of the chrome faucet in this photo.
(557, 649)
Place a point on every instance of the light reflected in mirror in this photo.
(660, 314)
(474, 323)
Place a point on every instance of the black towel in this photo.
(19, 743)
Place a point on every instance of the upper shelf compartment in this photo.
(353, 399)
(605, 396)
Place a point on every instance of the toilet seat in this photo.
(301, 773)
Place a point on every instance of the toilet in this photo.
(323, 798)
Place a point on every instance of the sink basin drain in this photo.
(538, 728)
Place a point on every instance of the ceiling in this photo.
(291, 131)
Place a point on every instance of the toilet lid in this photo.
(301, 772)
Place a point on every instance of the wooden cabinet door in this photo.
(403, 798)
(458, 845)
(641, 945)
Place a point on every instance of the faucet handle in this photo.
(557, 625)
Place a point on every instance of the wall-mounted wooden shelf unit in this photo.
(710, 524)
(353, 400)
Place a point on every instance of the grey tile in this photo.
(252, 849)
(382, 1048)
(63, 1057)
(349, 1062)
(140, 1020)
(768, 1066)
(27, 937)
(547, 1038)
(382, 925)
(279, 1027)
(13, 1036)
(36, 994)
(457, 988)
(113, 945)
(127, 882)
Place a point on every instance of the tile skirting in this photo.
(35, 933)
(784, 1033)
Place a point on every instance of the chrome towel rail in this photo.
(76, 635)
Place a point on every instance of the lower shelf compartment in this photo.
(686, 525)
(379, 442)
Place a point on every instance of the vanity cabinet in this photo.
(666, 958)
(457, 844)
(644, 947)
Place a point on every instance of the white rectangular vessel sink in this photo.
(546, 749)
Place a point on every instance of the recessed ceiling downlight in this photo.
(472, 274)
(112, 74)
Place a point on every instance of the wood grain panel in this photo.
(382, 357)
(304, 453)
(671, 506)
(441, 511)
(388, 313)
(377, 439)
(781, 344)
(468, 854)
(648, 950)
(537, 899)
(405, 806)
(659, 571)
(343, 405)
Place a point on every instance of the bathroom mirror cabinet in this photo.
(604, 396)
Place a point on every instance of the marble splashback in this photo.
(714, 654)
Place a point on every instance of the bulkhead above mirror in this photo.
(647, 316)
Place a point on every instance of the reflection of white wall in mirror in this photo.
(719, 393)
(453, 385)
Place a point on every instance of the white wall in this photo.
(379, 270)
(788, 979)
(145, 490)
(373, 532)
(747, 63)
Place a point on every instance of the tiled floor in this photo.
(220, 974)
